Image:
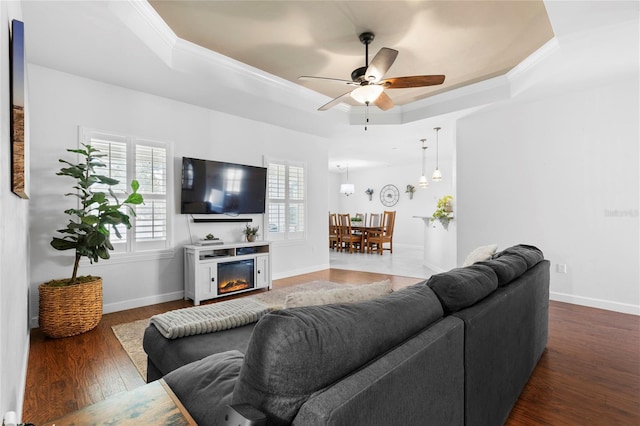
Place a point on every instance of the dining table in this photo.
(365, 230)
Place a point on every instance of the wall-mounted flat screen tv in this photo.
(215, 187)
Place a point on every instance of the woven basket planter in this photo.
(70, 310)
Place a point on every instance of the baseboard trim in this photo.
(143, 301)
(624, 308)
(131, 304)
(434, 268)
(23, 382)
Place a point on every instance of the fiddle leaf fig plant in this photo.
(89, 229)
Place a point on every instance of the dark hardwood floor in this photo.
(589, 374)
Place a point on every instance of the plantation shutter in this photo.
(296, 200)
(151, 173)
(127, 158)
(113, 148)
(286, 200)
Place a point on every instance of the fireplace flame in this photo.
(234, 285)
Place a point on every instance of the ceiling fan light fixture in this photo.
(367, 93)
(369, 79)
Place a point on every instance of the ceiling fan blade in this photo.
(383, 102)
(332, 80)
(380, 64)
(412, 81)
(334, 102)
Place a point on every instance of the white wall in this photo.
(61, 102)
(409, 231)
(562, 174)
(14, 232)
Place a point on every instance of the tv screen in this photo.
(215, 187)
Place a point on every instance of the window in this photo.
(286, 200)
(129, 158)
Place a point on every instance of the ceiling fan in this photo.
(368, 79)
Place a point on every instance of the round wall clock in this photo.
(389, 195)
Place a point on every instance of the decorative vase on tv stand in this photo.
(72, 306)
(250, 232)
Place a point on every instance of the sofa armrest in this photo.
(243, 415)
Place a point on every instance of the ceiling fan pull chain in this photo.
(366, 115)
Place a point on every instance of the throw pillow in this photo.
(462, 287)
(350, 294)
(480, 254)
(205, 387)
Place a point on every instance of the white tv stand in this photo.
(201, 268)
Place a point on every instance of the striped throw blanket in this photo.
(209, 318)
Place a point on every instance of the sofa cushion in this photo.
(532, 255)
(462, 287)
(296, 352)
(348, 294)
(507, 267)
(480, 254)
(205, 387)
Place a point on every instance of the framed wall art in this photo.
(17, 66)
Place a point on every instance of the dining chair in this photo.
(347, 237)
(377, 238)
(334, 234)
(374, 219)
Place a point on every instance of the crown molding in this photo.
(191, 59)
(546, 50)
(148, 26)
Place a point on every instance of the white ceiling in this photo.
(126, 43)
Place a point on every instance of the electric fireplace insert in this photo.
(236, 276)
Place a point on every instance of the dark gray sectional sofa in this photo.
(455, 349)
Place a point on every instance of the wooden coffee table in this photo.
(151, 404)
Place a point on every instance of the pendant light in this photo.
(423, 182)
(437, 176)
(347, 188)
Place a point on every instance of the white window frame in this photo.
(286, 235)
(132, 250)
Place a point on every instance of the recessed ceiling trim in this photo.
(474, 95)
(148, 26)
(546, 50)
(184, 56)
